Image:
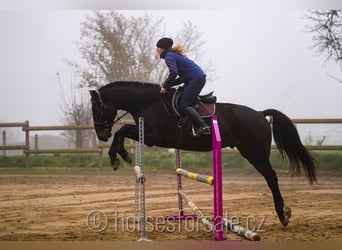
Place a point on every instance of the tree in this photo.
(117, 47)
(327, 29)
(75, 105)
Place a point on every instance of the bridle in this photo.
(107, 125)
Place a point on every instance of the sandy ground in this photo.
(101, 207)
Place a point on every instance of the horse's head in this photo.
(103, 116)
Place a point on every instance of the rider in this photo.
(190, 74)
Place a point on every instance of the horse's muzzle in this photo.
(104, 135)
(102, 138)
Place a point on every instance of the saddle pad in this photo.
(206, 110)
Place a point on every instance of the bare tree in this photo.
(310, 140)
(326, 25)
(76, 106)
(117, 47)
(191, 38)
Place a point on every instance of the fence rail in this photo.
(317, 121)
(61, 127)
(26, 128)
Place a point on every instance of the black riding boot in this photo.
(203, 128)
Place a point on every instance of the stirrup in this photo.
(202, 131)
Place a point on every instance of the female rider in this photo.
(188, 73)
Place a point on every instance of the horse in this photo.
(240, 126)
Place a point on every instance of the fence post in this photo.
(100, 160)
(27, 143)
(4, 142)
(36, 141)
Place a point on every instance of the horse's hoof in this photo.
(116, 164)
(287, 216)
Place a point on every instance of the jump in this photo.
(240, 127)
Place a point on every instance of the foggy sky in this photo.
(262, 59)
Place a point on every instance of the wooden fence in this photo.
(26, 128)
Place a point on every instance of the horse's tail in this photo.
(287, 139)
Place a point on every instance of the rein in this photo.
(120, 117)
(108, 124)
(168, 108)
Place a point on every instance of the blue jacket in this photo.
(181, 66)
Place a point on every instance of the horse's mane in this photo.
(134, 84)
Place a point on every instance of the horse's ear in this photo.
(94, 95)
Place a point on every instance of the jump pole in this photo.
(196, 177)
(246, 233)
(197, 211)
(181, 215)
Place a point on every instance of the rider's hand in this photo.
(162, 90)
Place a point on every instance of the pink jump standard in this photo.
(217, 174)
(217, 182)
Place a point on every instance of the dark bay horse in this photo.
(240, 127)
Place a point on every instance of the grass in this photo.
(155, 162)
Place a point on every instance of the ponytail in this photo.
(178, 49)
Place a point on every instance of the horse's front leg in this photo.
(117, 146)
(115, 162)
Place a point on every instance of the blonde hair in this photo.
(178, 49)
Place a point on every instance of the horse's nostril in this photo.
(102, 138)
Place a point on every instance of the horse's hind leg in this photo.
(258, 156)
(256, 149)
(265, 168)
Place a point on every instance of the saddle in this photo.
(204, 105)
